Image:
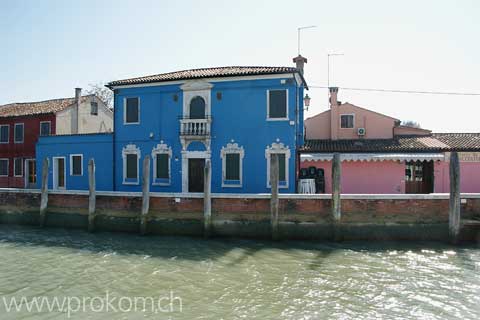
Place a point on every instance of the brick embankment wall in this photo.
(300, 217)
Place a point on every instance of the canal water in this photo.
(122, 276)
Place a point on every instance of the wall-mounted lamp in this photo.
(306, 101)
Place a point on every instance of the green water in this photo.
(235, 279)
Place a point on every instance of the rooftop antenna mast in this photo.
(298, 34)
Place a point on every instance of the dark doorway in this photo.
(195, 175)
(419, 177)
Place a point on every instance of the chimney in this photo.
(334, 113)
(300, 63)
(75, 117)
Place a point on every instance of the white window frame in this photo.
(8, 133)
(15, 167)
(55, 173)
(8, 166)
(49, 128)
(130, 149)
(81, 164)
(347, 114)
(268, 106)
(161, 148)
(23, 132)
(278, 147)
(229, 149)
(125, 111)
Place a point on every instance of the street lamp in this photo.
(306, 101)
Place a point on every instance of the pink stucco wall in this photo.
(378, 126)
(381, 177)
(469, 177)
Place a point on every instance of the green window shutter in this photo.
(277, 104)
(162, 166)
(132, 110)
(281, 167)
(76, 165)
(232, 163)
(132, 169)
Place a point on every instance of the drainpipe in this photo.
(114, 187)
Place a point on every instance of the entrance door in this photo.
(31, 173)
(195, 175)
(419, 177)
(59, 173)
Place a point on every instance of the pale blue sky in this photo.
(50, 47)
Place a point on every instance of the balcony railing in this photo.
(195, 127)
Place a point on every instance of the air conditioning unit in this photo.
(361, 131)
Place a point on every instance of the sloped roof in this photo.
(206, 73)
(39, 107)
(436, 142)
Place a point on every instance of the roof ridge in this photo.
(42, 101)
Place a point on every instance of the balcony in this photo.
(195, 127)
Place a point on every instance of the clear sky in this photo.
(50, 47)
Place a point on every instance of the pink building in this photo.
(381, 156)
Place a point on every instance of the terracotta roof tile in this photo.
(40, 107)
(437, 142)
(205, 73)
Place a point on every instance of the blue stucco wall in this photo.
(240, 115)
(96, 146)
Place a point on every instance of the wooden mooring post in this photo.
(44, 193)
(207, 200)
(336, 192)
(91, 195)
(274, 177)
(145, 195)
(455, 201)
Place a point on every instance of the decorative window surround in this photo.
(232, 148)
(130, 149)
(161, 148)
(278, 147)
(268, 106)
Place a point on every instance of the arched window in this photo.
(197, 108)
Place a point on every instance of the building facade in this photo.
(379, 155)
(21, 125)
(235, 118)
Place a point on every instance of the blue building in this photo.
(234, 117)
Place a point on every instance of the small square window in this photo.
(18, 167)
(132, 110)
(45, 128)
(277, 104)
(4, 133)
(76, 165)
(18, 133)
(4, 167)
(346, 121)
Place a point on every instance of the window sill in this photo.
(278, 119)
(161, 184)
(130, 183)
(231, 185)
(21, 176)
(18, 142)
(130, 123)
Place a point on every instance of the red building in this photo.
(22, 123)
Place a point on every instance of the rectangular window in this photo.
(132, 166)
(346, 121)
(4, 133)
(94, 108)
(76, 165)
(4, 167)
(132, 110)
(162, 166)
(18, 133)
(18, 167)
(45, 128)
(277, 104)
(232, 170)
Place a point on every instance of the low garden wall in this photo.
(363, 217)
